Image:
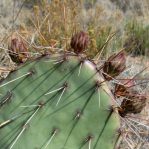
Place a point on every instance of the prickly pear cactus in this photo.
(57, 102)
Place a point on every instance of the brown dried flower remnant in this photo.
(18, 50)
(114, 65)
(79, 42)
(122, 89)
(133, 103)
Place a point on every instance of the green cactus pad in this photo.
(57, 102)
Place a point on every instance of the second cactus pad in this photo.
(57, 102)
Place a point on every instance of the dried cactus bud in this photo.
(79, 42)
(18, 50)
(123, 88)
(134, 103)
(114, 65)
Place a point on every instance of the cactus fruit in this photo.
(79, 42)
(114, 65)
(18, 50)
(132, 103)
(57, 102)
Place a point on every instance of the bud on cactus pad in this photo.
(18, 50)
(79, 42)
(57, 102)
(114, 65)
(133, 103)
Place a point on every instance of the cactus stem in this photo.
(72, 96)
(52, 136)
(103, 128)
(77, 120)
(24, 127)
(27, 74)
